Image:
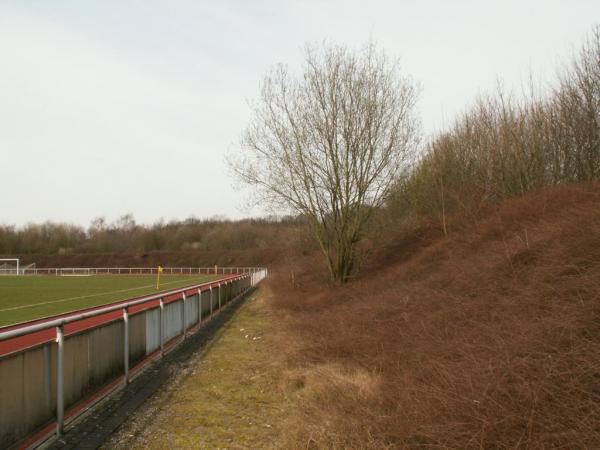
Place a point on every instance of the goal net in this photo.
(9, 266)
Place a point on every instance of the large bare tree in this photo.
(330, 143)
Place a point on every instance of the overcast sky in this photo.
(114, 107)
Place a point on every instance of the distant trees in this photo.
(47, 237)
(124, 235)
(505, 146)
(330, 143)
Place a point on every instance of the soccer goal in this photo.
(9, 266)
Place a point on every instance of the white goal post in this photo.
(9, 266)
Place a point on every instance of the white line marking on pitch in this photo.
(88, 296)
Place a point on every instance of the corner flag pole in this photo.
(158, 271)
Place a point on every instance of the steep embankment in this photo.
(487, 338)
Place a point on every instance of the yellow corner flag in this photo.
(158, 271)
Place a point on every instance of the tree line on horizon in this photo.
(127, 236)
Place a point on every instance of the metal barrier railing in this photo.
(128, 270)
(238, 285)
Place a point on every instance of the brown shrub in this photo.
(487, 338)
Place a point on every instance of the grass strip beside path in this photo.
(227, 396)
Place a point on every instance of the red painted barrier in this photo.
(40, 337)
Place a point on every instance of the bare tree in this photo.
(330, 143)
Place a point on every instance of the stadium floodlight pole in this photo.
(126, 345)
(60, 393)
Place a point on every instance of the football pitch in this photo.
(30, 297)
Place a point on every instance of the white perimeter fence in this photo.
(48, 373)
(66, 271)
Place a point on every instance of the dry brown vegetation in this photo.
(489, 338)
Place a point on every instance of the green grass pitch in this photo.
(29, 297)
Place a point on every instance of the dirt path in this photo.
(226, 397)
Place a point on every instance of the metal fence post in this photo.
(60, 393)
(211, 300)
(161, 326)
(126, 345)
(183, 316)
(47, 377)
(219, 297)
(199, 306)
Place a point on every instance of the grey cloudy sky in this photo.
(114, 107)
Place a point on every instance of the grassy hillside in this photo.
(489, 337)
